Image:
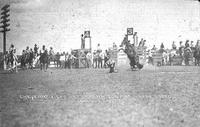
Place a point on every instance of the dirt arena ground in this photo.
(153, 97)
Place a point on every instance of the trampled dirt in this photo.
(152, 97)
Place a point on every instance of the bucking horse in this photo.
(133, 57)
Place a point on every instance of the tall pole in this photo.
(4, 50)
(4, 42)
(4, 16)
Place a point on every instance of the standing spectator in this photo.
(71, 60)
(88, 59)
(95, 58)
(100, 59)
(62, 60)
(66, 60)
(106, 58)
(23, 59)
(31, 56)
(44, 58)
(58, 60)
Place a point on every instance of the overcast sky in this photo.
(59, 23)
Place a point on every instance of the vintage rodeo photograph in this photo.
(99, 63)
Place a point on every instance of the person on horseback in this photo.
(13, 58)
(130, 50)
(36, 49)
(31, 57)
(11, 54)
(27, 50)
(52, 56)
(187, 43)
(192, 46)
(51, 52)
(23, 64)
(197, 53)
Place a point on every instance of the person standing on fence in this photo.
(162, 46)
(154, 48)
(173, 46)
(187, 43)
(82, 41)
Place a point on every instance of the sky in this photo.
(60, 23)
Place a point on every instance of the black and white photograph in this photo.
(99, 63)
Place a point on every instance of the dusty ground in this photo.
(152, 97)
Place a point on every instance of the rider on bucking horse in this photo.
(130, 50)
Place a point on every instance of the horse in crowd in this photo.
(196, 55)
(28, 59)
(11, 62)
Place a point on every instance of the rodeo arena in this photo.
(130, 83)
(187, 53)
